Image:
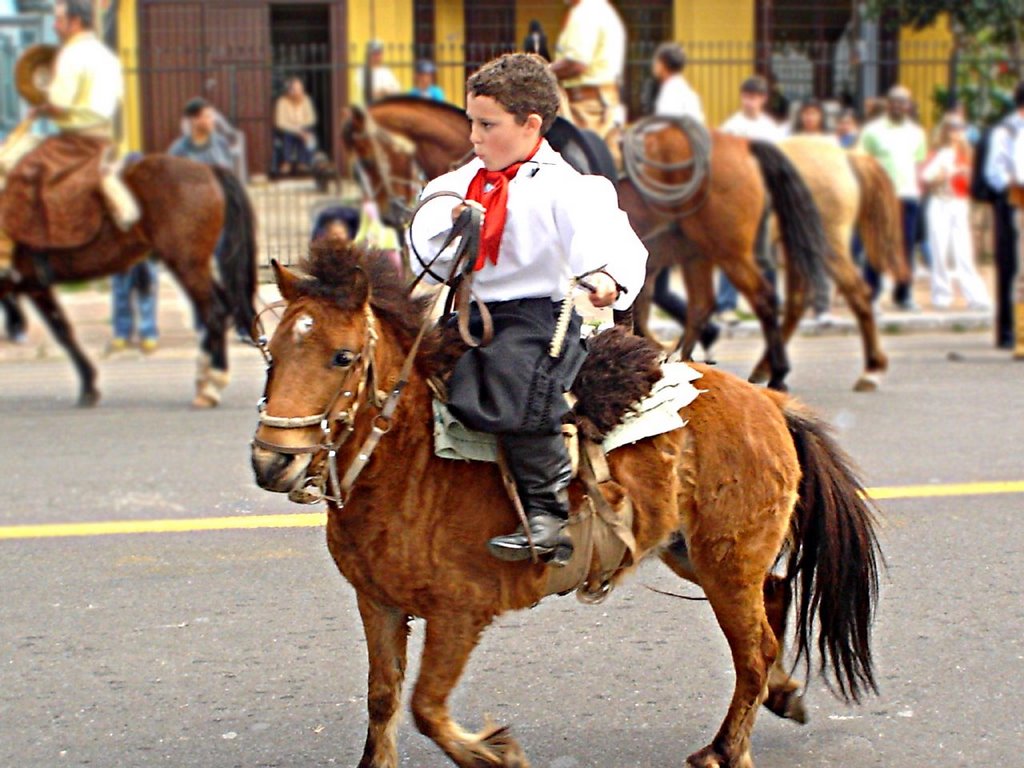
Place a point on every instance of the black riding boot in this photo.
(542, 470)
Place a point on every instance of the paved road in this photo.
(243, 648)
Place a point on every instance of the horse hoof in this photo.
(709, 757)
(869, 382)
(204, 402)
(89, 399)
(778, 386)
(759, 377)
(795, 710)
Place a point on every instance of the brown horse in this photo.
(185, 206)
(753, 478)
(399, 140)
(849, 191)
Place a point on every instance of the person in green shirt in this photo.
(899, 144)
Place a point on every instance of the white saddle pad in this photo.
(656, 414)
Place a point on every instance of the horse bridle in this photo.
(336, 424)
(376, 138)
(329, 484)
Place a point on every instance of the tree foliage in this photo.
(968, 18)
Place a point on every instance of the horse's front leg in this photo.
(46, 303)
(446, 650)
(387, 632)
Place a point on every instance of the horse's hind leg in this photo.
(858, 297)
(387, 632)
(783, 691)
(46, 303)
(796, 301)
(446, 650)
(740, 611)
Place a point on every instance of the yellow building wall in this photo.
(719, 37)
(390, 22)
(924, 65)
(450, 37)
(131, 109)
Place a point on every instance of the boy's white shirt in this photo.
(559, 223)
(676, 98)
(761, 127)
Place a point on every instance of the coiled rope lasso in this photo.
(639, 167)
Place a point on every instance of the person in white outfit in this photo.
(675, 96)
(947, 173)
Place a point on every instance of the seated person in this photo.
(294, 121)
(423, 84)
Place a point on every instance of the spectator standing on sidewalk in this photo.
(999, 177)
(751, 122)
(676, 99)
(899, 144)
(947, 174)
(847, 129)
(134, 295)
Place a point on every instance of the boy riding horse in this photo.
(545, 224)
(52, 195)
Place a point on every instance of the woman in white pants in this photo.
(947, 174)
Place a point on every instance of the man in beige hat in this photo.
(589, 60)
(47, 196)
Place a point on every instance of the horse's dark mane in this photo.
(340, 273)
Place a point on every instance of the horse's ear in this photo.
(286, 281)
(361, 284)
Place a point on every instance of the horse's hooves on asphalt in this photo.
(778, 386)
(203, 402)
(89, 399)
(869, 382)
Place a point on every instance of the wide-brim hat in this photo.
(34, 71)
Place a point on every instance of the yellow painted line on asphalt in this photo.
(949, 489)
(317, 519)
(183, 525)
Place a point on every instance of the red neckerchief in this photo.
(495, 202)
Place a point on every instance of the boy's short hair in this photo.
(78, 9)
(672, 56)
(195, 107)
(756, 84)
(522, 84)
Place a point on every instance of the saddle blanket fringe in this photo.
(656, 414)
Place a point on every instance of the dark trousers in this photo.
(1006, 268)
(514, 388)
(667, 299)
(291, 149)
(902, 293)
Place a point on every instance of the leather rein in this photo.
(337, 421)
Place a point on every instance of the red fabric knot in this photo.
(490, 189)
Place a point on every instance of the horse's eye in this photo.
(343, 358)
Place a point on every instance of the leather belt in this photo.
(583, 92)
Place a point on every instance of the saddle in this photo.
(59, 194)
(622, 394)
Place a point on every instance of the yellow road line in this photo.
(184, 525)
(316, 519)
(949, 489)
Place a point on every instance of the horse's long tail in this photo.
(799, 221)
(236, 258)
(834, 558)
(879, 220)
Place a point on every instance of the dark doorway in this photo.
(300, 39)
(490, 28)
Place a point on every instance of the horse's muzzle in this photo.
(279, 472)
